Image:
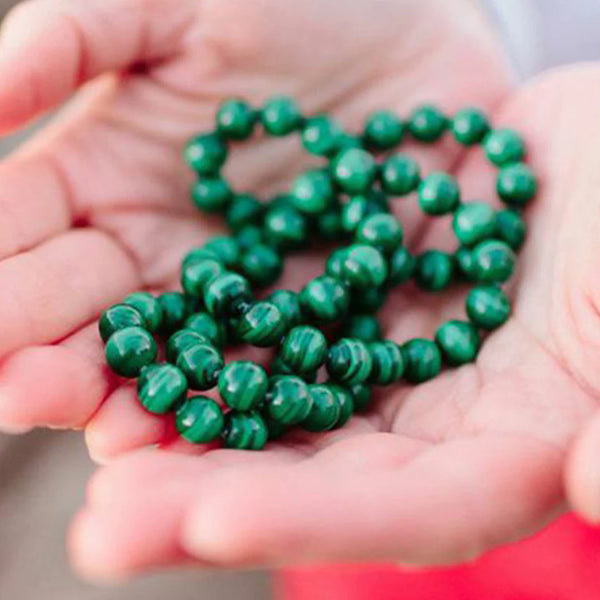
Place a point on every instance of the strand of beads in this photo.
(330, 325)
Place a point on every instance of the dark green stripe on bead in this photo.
(149, 307)
(363, 267)
(289, 306)
(516, 185)
(423, 360)
(243, 385)
(161, 387)
(201, 364)
(354, 170)
(382, 231)
(439, 194)
(458, 341)
(196, 274)
(244, 431)
(288, 400)
(118, 317)
(227, 295)
(325, 410)
(493, 261)
(344, 399)
(324, 299)
(304, 349)
(361, 396)
(487, 307)
(174, 308)
(387, 362)
(206, 326)
(349, 361)
(182, 339)
(312, 192)
(261, 325)
(261, 264)
(362, 327)
(129, 350)
(434, 270)
(399, 175)
(199, 420)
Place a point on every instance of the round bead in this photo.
(161, 387)
(288, 400)
(227, 295)
(423, 360)
(199, 420)
(278, 367)
(243, 384)
(401, 266)
(205, 153)
(368, 301)
(235, 119)
(205, 325)
(516, 185)
(261, 325)
(285, 227)
(344, 400)
(249, 236)
(504, 147)
(321, 135)
(211, 194)
(387, 362)
(458, 341)
(149, 307)
(335, 263)
(356, 210)
(427, 123)
(493, 261)
(434, 270)
(130, 349)
(330, 224)
(382, 231)
(469, 126)
(363, 267)
(361, 397)
(304, 349)
(196, 274)
(289, 306)
(354, 170)
(349, 361)
(362, 327)
(201, 364)
(487, 307)
(174, 310)
(438, 194)
(383, 130)
(511, 228)
(261, 264)
(312, 192)
(243, 210)
(244, 431)
(198, 254)
(474, 222)
(182, 339)
(464, 261)
(325, 410)
(225, 248)
(324, 299)
(118, 317)
(280, 115)
(400, 175)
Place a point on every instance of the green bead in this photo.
(434, 270)
(262, 265)
(321, 135)
(362, 327)
(469, 126)
(205, 153)
(228, 295)
(149, 307)
(182, 339)
(289, 306)
(423, 360)
(493, 261)
(199, 420)
(235, 119)
(356, 210)
(368, 301)
(129, 350)
(243, 384)
(361, 397)
(511, 228)
(325, 410)
(335, 262)
(383, 130)
(198, 254)
(278, 367)
(288, 400)
(312, 192)
(285, 227)
(354, 170)
(504, 147)
(196, 274)
(516, 185)
(463, 258)
(399, 175)
(243, 210)
(244, 431)
(280, 115)
(161, 387)
(458, 341)
(324, 299)
(401, 266)
(174, 310)
(474, 222)
(427, 123)
(118, 317)
(225, 248)
(363, 267)
(304, 349)
(349, 361)
(487, 307)
(262, 325)
(275, 430)
(345, 402)
(330, 224)
(205, 325)
(439, 194)
(211, 194)
(249, 236)
(201, 365)
(387, 362)
(347, 140)
(382, 231)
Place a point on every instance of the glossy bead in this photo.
(249, 236)
(198, 254)
(438, 194)
(312, 192)
(235, 119)
(387, 362)
(469, 126)
(201, 364)
(262, 325)
(182, 339)
(330, 224)
(335, 263)
(458, 341)
(205, 325)
(285, 227)
(344, 400)
(324, 299)
(243, 384)
(399, 175)
(280, 115)
(161, 387)
(504, 147)
(278, 367)
(261, 264)
(354, 170)
(325, 409)
(423, 360)
(463, 259)
(362, 327)
(211, 194)
(288, 400)
(228, 295)
(434, 270)
(382, 231)
(205, 153)
(363, 267)
(383, 130)
(368, 301)
(304, 349)
(516, 185)
(487, 307)
(361, 396)
(511, 228)
(149, 307)
(474, 222)
(199, 420)
(289, 306)
(118, 317)
(321, 135)
(243, 210)
(174, 311)
(225, 248)
(493, 261)
(129, 350)
(244, 431)
(349, 361)
(427, 123)
(401, 266)
(196, 274)
(274, 429)
(356, 210)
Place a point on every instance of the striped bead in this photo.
(349, 361)
(199, 420)
(363, 267)
(344, 400)
(325, 410)
(225, 248)
(324, 299)
(388, 362)
(362, 327)
(243, 384)
(161, 387)
(227, 295)
(289, 306)
(261, 325)
(423, 360)
(288, 400)
(196, 274)
(304, 349)
(361, 396)
(118, 317)
(182, 339)
(129, 350)
(206, 326)
(458, 341)
(174, 307)
(201, 364)
(149, 307)
(244, 431)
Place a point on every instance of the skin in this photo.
(96, 206)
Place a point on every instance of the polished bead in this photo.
(399, 175)
(368, 301)
(225, 248)
(244, 431)
(182, 339)
(174, 311)
(243, 384)
(161, 387)
(205, 153)
(347, 140)
(325, 409)
(324, 299)
(474, 222)
(198, 254)
(487, 307)
(129, 350)
(463, 258)
(434, 270)
(335, 262)
(288, 400)
(289, 306)
(330, 224)
(516, 185)
(321, 135)
(423, 360)
(279, 367)
(438, 194)
(362, 327)
(243, 210)
(274, 429)
(280, 115)
(361, 396)
(383, 130)
(211, 194)
(387, 362)
(312, 192)
(285, 227)
(381, 231)
(228, 295)
(249, 236)
(458, 341)
(199, 420)
(363, 267)
(354, 170)
(149, 307)
(262, 325)
(196, 274)
(493, 261)
(235, 119)
(304, 349)
(118, 317)
(349, 361)
(426, 123)
(401, 266)
(504, 147)
(469, 126)
(511, 228)
(201, 364)
(262, 265)
(207, 326)
(356, 210)
(344, 400)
